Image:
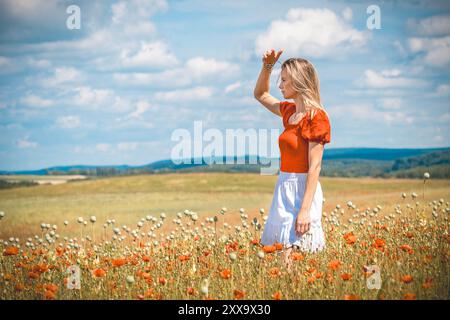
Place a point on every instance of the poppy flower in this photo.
(278, 246)
(238, 294)
(350, 238)
(11, 251)
(51, 287)
(183, 258)
(296, 256)
(428, 283)
(118, 262)
(351, 297)
(407, 248)
(277, 295)
(379, 244)
(334, 265)
(269, 249)
(19, 287)
(49, 295)
(99, 273)
(190, 291)
(407, 278)
(409, 296)
(346, 276)
(225, 274)
(274, 272)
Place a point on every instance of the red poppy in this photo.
(346, 276)
(277, 295)
(409, 296)
(225, 274)
(118, 262)
(99, 273)
(351, 297)
(269, 249)
(296, 256)
(379, 244)
(350, 238)
(334, 265)
(239, 294)
(407, 278)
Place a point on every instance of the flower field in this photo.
(192, 256)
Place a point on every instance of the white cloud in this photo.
(311, 32)
(68, 122)
(201, 67)
(436, 50)
(445, 117)
(392, 103)
(95, 98)
(4, 61)
(433, 26)
(347, 13)
(391, 73)
(103, 147)
(127, 146)
(92, 98)
(128, 11)
(141, 108)
(169, 78)
(366, 112)
(38, 63)
(32, 100)
(61, 76)
(233, 87)
(443, 90)
(141, 28)
(195, 69)
(438, 138)
(155, 54)
(8, 65)
(197, 93)
(25, 143)
(389, 79)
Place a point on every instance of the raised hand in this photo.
(270, 57)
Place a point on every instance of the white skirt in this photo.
(287, 201)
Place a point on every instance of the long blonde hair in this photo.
(305, 81)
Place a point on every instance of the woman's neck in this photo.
(299, 105)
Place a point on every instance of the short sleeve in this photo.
(318, 128)
(283, 107)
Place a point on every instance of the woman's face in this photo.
(286, 85)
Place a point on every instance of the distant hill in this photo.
(338, 162)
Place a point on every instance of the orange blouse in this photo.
(294, 140)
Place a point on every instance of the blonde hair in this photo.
(305, 81)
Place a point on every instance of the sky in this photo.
(116, 89)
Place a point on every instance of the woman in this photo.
(296, 212)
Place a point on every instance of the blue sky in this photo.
(114, 91)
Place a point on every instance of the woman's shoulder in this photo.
(317, 113)
(285, 105)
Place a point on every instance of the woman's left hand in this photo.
(303, 223)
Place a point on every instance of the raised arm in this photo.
(262, 86)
